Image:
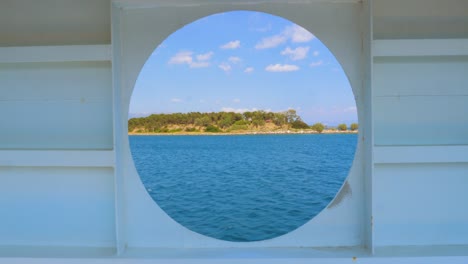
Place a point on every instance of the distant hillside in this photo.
(220, 122)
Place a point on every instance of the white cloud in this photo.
(176, 100)
(316, 53)
(298, 53)
(294, 33)
(316, 64)
(249, 70)
(281, 68)
(298, 34)
(271, 42)
(186, 57)
(225, 67)
(238, 110)
(236, 100)
(183, 57)
(199, 64)
(205, 57)
(234, 59)
(231, 45)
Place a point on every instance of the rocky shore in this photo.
(276, 132)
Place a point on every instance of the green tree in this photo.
(162, 123)
(204, 121)
(248, 116)
(212, 129)
(291, 115)
(226, 121)
(342, 127)
(299, 124)
(279, 119)
(354, 127)
(319, 127)
(258, 122)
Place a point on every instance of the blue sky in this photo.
(244, 61)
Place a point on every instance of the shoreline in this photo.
(286, 132)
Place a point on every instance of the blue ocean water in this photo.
(246, 187)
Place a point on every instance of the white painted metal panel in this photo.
(421, 204)
(420, 19)
(421, 100)
(421, 120)
(55, 53)
(56, 105)
(51, 22)
(56, 158)
(51, 206)
(413, 76)
(420, 154)
(243, 258)
(418, 47)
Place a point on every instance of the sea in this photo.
(243, 187)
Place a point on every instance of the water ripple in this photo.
(243, 188)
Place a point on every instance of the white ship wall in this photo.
(68, 186)
(421, 107)
(54, 111)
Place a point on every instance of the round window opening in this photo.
(242, 126)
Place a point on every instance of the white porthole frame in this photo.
(139, 26)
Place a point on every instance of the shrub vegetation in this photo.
(224, 122)
(342, 127)
(319, 127)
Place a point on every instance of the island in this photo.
(230, 123)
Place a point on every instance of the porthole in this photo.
(219, 126)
